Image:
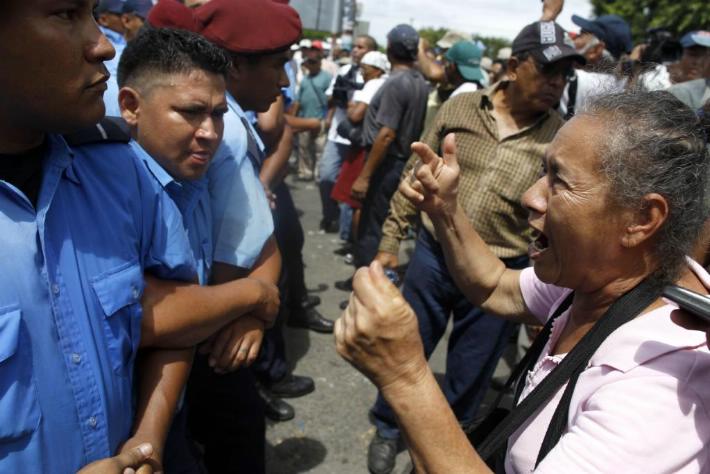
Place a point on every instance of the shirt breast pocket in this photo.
(19, 409)
(118, 292)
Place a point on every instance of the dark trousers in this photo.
(383, 184)
(271, 365)
(180, 454)
(226, 416)
(476, 341)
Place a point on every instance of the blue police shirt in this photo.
(241, 214)
(193, 200)
(111, 94)
(70, 314)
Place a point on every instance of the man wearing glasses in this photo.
(501, 132)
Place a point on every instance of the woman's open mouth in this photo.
(538, 243)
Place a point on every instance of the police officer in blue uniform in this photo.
(81, 223)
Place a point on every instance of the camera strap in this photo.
(623, 310)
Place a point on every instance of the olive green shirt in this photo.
(494, 173)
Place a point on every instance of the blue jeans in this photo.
(331, 161)
(476, 342)
(346, 222)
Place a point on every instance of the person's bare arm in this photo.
(427, 65)
(379, 149)
(302, 124)
(356, 111)
(378, 334)
(181, 315)
(161, 376)
(275, 167)
(551, 9)
(271, 124)
(295, 107)
(478, 272)
(237, 344)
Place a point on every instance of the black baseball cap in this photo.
(403, 41)
(547, 42)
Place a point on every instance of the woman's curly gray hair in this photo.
(656, 144)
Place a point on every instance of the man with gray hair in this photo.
(501, 133)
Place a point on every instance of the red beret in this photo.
(249, 26)
(172, 14)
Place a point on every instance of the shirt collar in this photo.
(154, 167)
(237, 109)
(61, 155)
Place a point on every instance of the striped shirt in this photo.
(494, 173)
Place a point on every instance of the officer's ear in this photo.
(129, 102)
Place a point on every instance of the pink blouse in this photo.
(641, 405)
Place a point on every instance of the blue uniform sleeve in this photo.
(242, 221)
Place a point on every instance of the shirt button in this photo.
(76, 358)
(136, 293)
(93, 422)
(55, 289)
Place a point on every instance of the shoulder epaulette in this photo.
(108, 130)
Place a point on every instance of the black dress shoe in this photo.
(344, 250)
(292, 386)
(274, 408)
(381, 455)
(309, 301)
(310, 319)
(330, 227)
(344, 285)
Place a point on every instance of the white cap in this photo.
(486, 63)
(376, 59)
(504, 54)
(305, 43)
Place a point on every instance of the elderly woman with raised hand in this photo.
(619, 205)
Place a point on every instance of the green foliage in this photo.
(679, 16)
(314, 34)
(432, 35)
(493, 44)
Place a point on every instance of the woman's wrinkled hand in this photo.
(378, 332)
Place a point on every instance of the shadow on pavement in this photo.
(294, 455)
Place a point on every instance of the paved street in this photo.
(331, 430)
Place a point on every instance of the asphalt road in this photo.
(331, 430)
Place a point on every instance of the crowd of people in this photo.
(152, 251)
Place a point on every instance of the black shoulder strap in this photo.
(109, 129)
(517, 375)
(621, 311)
(572, 97)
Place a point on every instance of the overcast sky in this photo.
(502, 18)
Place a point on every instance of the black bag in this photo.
(350, 131)
(491, 437)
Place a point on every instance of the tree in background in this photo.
(493, 44)
(678, 16)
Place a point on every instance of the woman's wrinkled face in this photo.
(577, 231)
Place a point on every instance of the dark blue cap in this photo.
(110, 6)
(403, 42)
(139, 7)
(611, 29)
(696, 38)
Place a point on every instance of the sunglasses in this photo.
(311, 61)
(553, 70)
